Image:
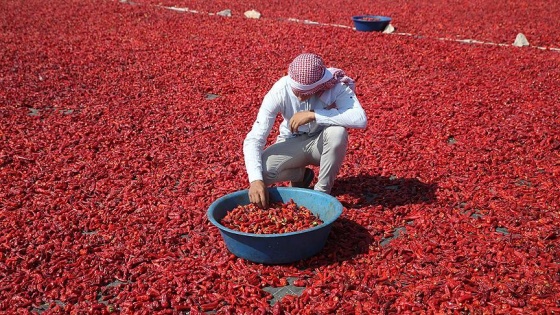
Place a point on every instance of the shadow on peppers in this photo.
(347, 239)
(390, 192)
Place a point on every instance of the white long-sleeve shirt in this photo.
(338, 106)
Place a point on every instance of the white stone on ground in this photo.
(226, 12)
(389, 29)
(521, 40)
(252, 14)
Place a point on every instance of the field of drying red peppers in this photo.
(120, 123)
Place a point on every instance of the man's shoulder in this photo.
(279, 88)
(281, 84)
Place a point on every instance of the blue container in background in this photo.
(278, 248)
(370, 23)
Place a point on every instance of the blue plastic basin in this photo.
(278, 248)
(370, 23)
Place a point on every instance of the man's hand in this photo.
(258, 194)
(301, 118)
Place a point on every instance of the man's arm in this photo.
(254, 142)
(345, 111)
(253, 146)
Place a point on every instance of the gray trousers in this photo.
(286, 160)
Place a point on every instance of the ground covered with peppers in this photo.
(120, 123)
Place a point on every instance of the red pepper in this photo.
(210, 306)
(278, 218)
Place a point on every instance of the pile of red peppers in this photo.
(279, 217)
(121, 122)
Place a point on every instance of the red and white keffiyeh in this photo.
(308, 75)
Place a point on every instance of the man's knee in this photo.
(336, 136)
(270, 170)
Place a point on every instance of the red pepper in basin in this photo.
(278, 218)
